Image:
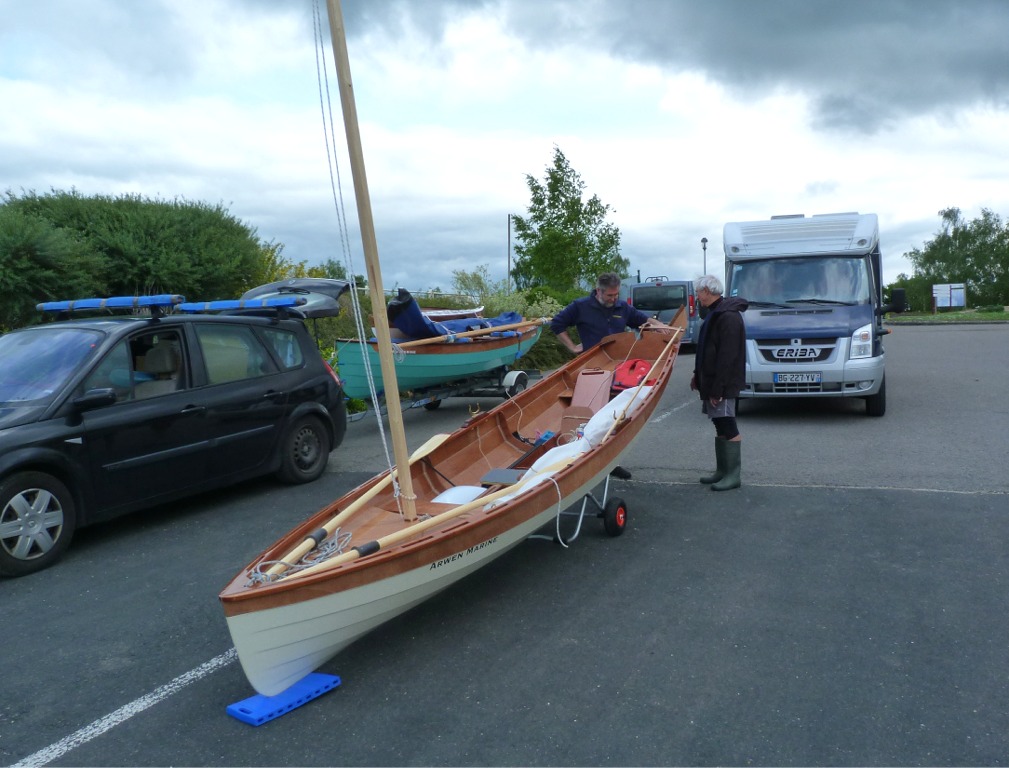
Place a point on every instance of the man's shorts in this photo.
(725, 408)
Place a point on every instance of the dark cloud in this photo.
(862, 63)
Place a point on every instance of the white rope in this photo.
(336, 184)
(332, 545)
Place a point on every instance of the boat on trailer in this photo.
(454, 504)
(479, 492)
(436, 353)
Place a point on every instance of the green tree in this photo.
(138, 245)
(565, 242)
(40, 262)
(477, 283)
(975, 253)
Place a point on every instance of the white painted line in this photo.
(669, 412)
(124, 713)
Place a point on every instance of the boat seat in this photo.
(591, 392)
(592, 389)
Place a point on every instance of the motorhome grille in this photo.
(824, 349)
(796, 389)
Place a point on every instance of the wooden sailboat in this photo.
(426, 363)
(434, 353)
(455, 504)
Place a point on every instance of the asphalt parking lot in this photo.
(847, 606)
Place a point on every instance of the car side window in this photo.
(232, 352)
(141, 367)
(158, 362)
(114, 371)
(285, 345)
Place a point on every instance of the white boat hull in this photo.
(279, 646)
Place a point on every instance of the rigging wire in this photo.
(336, 185)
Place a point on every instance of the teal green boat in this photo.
(428, 363)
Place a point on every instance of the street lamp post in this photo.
(704, 247)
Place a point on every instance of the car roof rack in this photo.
(161, 304)
(156, 303)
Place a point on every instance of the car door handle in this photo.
(194, 409)
(274, 396)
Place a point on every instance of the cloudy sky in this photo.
(679, 114)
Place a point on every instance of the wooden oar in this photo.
(469, 334)
(335, 522)
(371, 547)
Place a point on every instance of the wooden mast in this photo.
(370, 244)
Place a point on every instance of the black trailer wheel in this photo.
(615, 516)
(434, 405)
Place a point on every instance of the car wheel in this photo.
(37, 521)
(304, 451)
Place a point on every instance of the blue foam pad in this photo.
(260, 709)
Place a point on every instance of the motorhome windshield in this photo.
(812, 280)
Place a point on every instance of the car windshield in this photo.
(823, 280)
(36, 363)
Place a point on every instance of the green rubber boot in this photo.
(719, 472)
(732, 467)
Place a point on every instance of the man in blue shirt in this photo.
(599, 314)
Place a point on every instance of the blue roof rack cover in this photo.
(112, 302)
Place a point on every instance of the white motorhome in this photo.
(814, 325)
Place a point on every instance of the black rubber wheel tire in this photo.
(875, 405)
(434, 405)
(37, 522)
(615, 516)
(304, 451)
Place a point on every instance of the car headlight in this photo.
(861, 342)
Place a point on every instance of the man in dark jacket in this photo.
(719, 375)
(599, 314)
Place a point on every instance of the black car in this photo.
(104, 415)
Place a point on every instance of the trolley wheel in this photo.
(434, 405)
(515, 382)
(615, 516)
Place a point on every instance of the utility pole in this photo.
(508, 274)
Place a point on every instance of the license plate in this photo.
(797, 378)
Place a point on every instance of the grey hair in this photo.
(608, 280)
(710, 283)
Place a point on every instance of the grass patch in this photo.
(983, 315)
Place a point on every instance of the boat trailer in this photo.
(499, 382)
